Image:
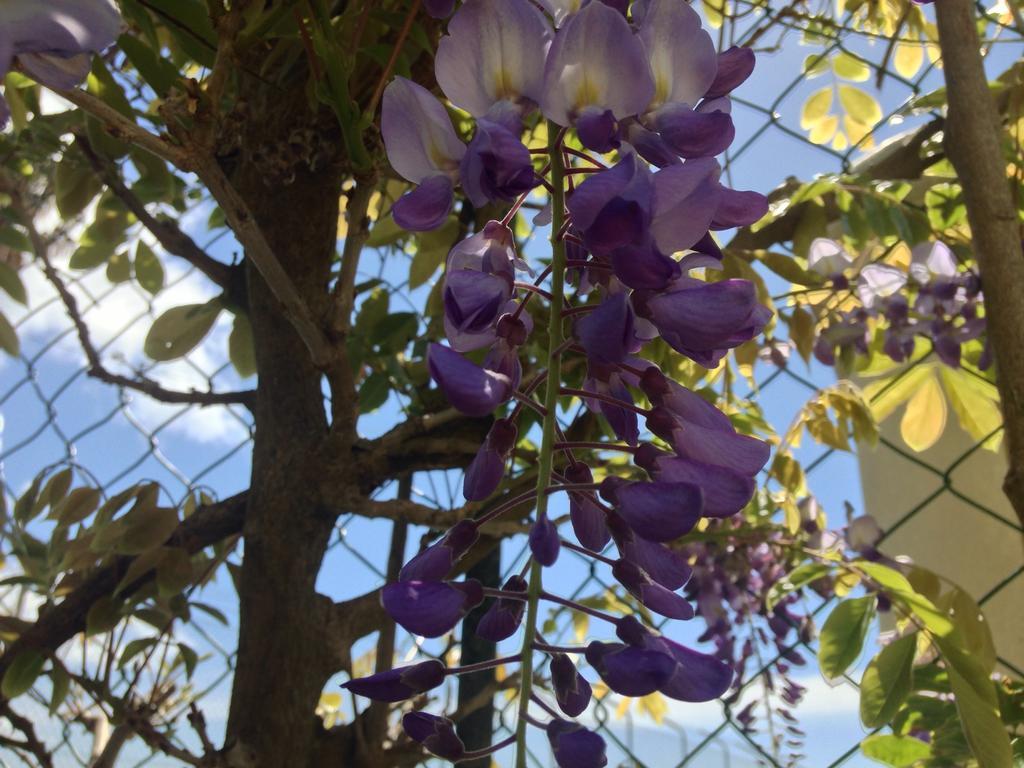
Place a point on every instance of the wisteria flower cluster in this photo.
(937, 300)
(52, 41)
(637, 107)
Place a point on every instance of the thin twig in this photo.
(167, 233)
(96, 368)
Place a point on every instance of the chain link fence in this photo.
(54, 414)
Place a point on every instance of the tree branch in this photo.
(61, 622)
(258, 250)
(120, 127)
(31, 743)
(170, 236)
(96, 368)
(974, 143)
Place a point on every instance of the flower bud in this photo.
(574, 746)
(572, 691)
(436, 734)
(544, 543)
(503, 617)
(436, 561)
(399, 684)
(430, 608)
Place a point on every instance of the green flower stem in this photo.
(545, 461)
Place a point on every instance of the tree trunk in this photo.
(973, 141)
(282, 663)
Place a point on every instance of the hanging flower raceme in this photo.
(52, 41)
(932, 298)
(632, 217)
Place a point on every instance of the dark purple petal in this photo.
(436, 561)
(399, 684)
(657, 511)
(686, 197)
(644, 267)
(544, 542)
(493, 53)
(430, 608)
(650, 146)
(503, 360)
(472, 390)
(598, 130)
(607, 333)
(623, 421)
(596, 40)
(572, 691)
(681, 54)
(587, 517)
(718, 445)
(488, 466)
(417, 132)
(426, 207)
(496, 165)
(704, 320)
(436, 734)
(630, 671)
(573, 745)
(739, 209)
(734, 66)
(726, 491)
(666, 566)
(697, 676)
(683, 402)
(502, 619)
(473, 301)
(694, 134)
(656, 597)
(612, 208)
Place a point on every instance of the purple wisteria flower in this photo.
(640, 86)
(52, 41)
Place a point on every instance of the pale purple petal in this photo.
(494, 52)
(685, 200)
(738, 208)
(595, 61)
(877, 281)
(418, 134)
(693, 134)
(827, 257)
(681, 54)
(62, 28)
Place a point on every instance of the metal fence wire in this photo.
(54, 414)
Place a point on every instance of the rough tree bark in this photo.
(973, 141)
(282, 660)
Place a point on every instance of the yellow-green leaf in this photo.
(925, 417)
(976, 404)
(816, 108)
(842, 636)
(823, 131)
(860, 105)
(241, 348)
(895, 751)
(850, 67)
(22, 673)
(148, 270)
(8, 337)
(908, 58)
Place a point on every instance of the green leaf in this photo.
(61, 682)
(799, 577)
(75, 185)
(189, 24)
(76, 506)
(816, 108)
(149, 272)
(103, 616)
(155, 69)
(147, 531)
(859, 105)
(189, 658)
(241, 348)
(972, 632)
(174, 572)
(385, 232)
(895, 751)
(887, 682)
(978, 706)
(373, 392)
(15, 239)
(134, 648)
(11, 283)
(850, 67)
(8, 337)
(22, 673)
(897, 588)
(180, 330)
(842, 636)
(119, 268)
